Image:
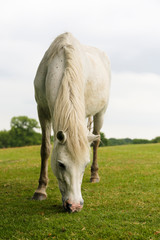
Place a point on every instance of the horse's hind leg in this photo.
(40, 193)
(98, 122)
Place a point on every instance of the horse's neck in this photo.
(69, 109)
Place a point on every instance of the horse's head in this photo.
(69, 171)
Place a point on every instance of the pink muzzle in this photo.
(72, 207)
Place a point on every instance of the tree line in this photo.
(125, 141)
(23, 133)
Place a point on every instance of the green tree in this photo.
(24, 123)
(119, 141)
(156, 140)
(4, 139)
(22, 133)
(140, 141)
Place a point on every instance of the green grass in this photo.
(125, 204)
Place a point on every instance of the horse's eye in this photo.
(61, 165)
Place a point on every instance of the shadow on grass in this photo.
(18, 199)
(56, 208)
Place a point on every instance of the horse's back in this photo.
(54, 77)
(48, 78)
(96, 69)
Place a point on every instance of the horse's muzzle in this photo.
(72, 207)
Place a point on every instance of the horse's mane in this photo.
(69, 109)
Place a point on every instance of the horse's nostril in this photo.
(68, 207)
(81, 203)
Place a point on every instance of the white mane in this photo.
(69, 109)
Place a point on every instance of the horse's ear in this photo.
(61, 136)
(92, 138)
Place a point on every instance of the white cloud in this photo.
(17, 98)
(134, 106)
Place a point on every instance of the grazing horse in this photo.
(71, 84)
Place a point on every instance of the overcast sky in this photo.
(128, 31)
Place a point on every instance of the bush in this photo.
(22, 133)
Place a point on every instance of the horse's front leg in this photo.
(98, 122)
(94, 168)
(40, 193)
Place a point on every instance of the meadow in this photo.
(125, 204)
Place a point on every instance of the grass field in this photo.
(125, 204)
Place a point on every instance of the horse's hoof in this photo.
(94, 180)
(39, 196)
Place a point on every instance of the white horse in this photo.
(72, 83)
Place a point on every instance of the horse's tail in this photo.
(69, 109)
